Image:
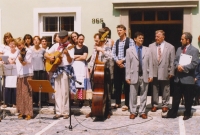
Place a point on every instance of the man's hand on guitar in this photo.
(66, 52)
(52, 58)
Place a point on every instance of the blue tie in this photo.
(140, 61)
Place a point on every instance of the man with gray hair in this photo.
(184, 77)
(163, 70)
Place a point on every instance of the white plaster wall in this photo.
(196, 26)
(18, 17)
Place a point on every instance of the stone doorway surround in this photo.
(125, 5)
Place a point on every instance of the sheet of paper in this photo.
(185, 59)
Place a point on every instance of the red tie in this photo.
(184, 49)
(62, 46)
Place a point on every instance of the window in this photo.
(48, 21)
(54, 24)
(156, 16)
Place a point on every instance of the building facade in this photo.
(45, 17)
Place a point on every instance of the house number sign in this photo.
(97, 20)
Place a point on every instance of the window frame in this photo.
(38, 14)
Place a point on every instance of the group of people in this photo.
(129, 66)
(157, 64)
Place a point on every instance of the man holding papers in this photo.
(184, 77)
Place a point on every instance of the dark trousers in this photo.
(40, 75)
(119, 81)
(107, 91)
(187, 90)
(10, 96)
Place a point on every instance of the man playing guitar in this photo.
(60, 75)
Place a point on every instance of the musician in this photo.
(60, 78)
(44, 43)
(119, 54)
(80, 56)
(38, 69)
(28, 40)
(6, 40)
(74, 38)
(56, 39)
(10, 81)
(25, 73)
(3, 48)
(109, 42)
(139, 72)
(105, 54)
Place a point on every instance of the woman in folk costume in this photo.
(80, 56)
(10, 81)
(3, 48)
(39, 72)
(25, 73)
(6, 40)
(28, 41)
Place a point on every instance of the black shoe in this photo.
(186, 117)
(166, 116)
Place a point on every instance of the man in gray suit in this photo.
(163, 57)
(139, 72)
(184, 78)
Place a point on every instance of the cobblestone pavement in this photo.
(116, 125)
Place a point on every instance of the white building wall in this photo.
(18, 16)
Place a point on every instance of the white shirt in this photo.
(27, 70)
(64, 57)
(4, 48)
(11, 81)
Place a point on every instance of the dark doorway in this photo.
(172, 32)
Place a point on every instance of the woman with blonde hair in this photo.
(24, 73)
(10, 81)
(6, 40)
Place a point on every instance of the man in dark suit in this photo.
(184, 78)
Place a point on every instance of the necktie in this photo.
(184, 49)
(140, 61)
(159, 53)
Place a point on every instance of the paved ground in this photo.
(118, 124)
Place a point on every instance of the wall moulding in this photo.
(130, 4)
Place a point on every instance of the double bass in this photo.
(99, 95)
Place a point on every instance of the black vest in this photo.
(125, 47)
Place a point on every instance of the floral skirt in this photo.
(24, 96)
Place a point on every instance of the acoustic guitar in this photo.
(51, 66)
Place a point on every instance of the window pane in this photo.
(163, 15)
(149, 15)
(67, 23)
(176, 15)
(49, 40)
(50, 24)
(136, 16)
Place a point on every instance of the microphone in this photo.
(75, 80)
(78, 82)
